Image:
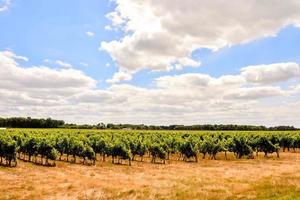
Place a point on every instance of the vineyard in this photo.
(46, 146)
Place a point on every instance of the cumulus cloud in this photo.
(89, 34)
(295, 89)
(256, 93)
(120, 76)
(4, 5)
(272, 73)
(183, 81)
(23, 58)
(15, 77)
(84, 64)
(47, 60)
(63, 64)
(69, 94)
(161, 35)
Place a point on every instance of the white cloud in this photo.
(84, 64)
(183, 81)
(108, 28)
(23, 58)
(15, 77)
(190, 98)
(256, 93)
(47, 60)
(93, 96)
(271, 73)
(161, 35)
(115, 18)
(63, 64)
(4, 5)
(295, 89)
(119, 77)
(90, 34)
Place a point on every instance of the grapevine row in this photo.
(45, 147)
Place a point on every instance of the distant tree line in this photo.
(21, 122)
(28, 122)
(214, 127)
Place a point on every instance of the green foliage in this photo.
(188, 148)
(41, 145)
(265, 145)
(241, 147)
(121, 150)
(157, 150)
(138, 147)
(8, 150)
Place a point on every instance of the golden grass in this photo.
(260, 178)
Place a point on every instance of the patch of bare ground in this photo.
(259, 178)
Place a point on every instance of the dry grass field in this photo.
(260, 178)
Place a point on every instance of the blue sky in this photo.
(49, 31)
(56, 30)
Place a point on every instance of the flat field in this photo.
(221, 179)
(261, 178)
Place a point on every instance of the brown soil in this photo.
(261, 178)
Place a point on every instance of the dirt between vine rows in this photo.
(259, 178)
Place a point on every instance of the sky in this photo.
(152, 61)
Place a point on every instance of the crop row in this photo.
(45, 148)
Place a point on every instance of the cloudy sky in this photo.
(151, 61)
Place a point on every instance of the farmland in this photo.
(122, 164)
